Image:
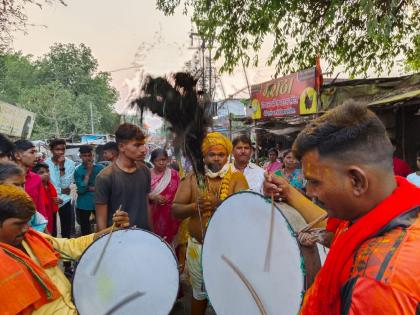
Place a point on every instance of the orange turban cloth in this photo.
(216, 138)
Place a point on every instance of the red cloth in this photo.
(323, 297)
(332, 224)
(20, 291)
(164, 224)
(48, 194)
(401, 168)
(319, 80)
(33, 186)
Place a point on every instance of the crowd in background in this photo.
(90, 193)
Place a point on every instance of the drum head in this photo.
(239, 233)
(137, 275)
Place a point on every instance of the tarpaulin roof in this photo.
(380, 91)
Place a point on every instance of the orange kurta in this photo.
(373, 266)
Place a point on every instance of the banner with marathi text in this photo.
(294, 94)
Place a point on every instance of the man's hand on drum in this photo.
(276, 186)
(121, 220)
(313, 236)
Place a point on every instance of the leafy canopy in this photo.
(60, 87)
(359, 34)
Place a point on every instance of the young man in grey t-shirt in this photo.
(125, 183)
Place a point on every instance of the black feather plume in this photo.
(185, 111)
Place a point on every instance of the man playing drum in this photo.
(372, 266)
(198, 205)
(31, 281)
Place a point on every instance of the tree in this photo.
(55, 109)
(13, 18)
(16, 74)
(75, 68)
(413, 58)
(60, 88)
(359, 34)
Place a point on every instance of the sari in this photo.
(166, 185)
(271, 167)
(296, 178)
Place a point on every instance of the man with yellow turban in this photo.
(198, 204)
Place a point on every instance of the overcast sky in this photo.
(122, 34)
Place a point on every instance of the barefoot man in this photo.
(198, 205)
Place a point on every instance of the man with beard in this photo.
(372, 266)
(198, 205)
(242, 151)
(31, 280)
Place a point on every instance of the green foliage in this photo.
(413, 57)
(60, 87)
(360, 34)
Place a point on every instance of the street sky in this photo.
(122, 34)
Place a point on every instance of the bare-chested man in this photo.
(190, 201)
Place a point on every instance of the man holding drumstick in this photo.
(197, 205)
(125, 183)
(372, 266)
(31, 281)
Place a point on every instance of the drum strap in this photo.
(66, 257)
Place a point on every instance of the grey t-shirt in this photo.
(115, 187)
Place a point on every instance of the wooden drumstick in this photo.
(98, 263)
(248, 284)
(270, 237)
(124, 302)
(313, 223)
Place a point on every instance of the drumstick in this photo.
(314, 222)
(124, 301)
(248, 284)
(270, 238)
(101, 256)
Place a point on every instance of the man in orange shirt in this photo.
(31, 281)
(373, 263)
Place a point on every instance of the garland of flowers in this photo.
(224, 185)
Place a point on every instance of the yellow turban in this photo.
(216, 138)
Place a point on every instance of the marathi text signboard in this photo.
(294, 94)
(16, 121)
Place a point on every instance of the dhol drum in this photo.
(252, 261)
(138, 274)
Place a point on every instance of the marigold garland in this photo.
(224, 185)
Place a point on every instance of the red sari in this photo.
(166, 185)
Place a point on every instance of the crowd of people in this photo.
(346, 170)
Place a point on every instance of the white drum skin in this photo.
(137, 265)
(239, 231)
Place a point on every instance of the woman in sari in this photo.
(291, 171)
(273, 164)
(165, 183)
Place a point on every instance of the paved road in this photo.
(182, 307)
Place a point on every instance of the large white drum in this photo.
(247, 271)
(137, 275)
